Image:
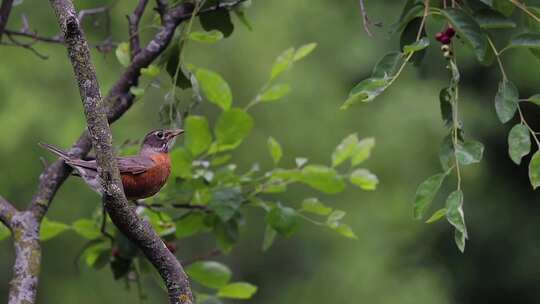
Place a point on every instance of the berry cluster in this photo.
(446, 36)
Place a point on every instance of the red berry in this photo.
(450, 32)
(115, 252)
(439, 36)
(446, 40)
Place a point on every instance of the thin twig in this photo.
(202, 257)
(175, 206)
(365, 18)
(133, 21)
(27, 46)
(35, 36)
(524, 8)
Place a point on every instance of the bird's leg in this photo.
(104, 224)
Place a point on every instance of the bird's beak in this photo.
(173, 133)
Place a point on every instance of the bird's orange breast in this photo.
(148, 183)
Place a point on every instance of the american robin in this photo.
(143, 175)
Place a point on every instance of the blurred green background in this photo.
(395, 259)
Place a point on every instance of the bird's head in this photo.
(160, 140)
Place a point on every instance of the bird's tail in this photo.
(58, 152)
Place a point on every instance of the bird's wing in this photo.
(128, 164)
(134, 164)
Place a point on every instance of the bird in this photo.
(143, 175)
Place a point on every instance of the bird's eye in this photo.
(159, 134)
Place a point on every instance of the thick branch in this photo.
(123, 216)
(133, 20)
(5, 10)
(7, 211)
(23, 285)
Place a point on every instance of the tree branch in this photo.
(26, 268)
(25, 225)
(5, 10)
(133, 20)
(123, 216)
(7, 211)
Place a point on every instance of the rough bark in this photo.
(23, 285)
(122, 214)
(133, 20)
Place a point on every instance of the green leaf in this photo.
(334, 217)
(304, 50)
(233, 126)
(210, 274)
(525, 40)
(220, 160)
(408, 36)
(388, 65)
(364, 179)
(459, 239)
(206, 37)
(454, 211)
(97, 255)
(313, 205)
(189, 225)
(217, 20)
(151, 71)
(416, 46)
(50, 229)
(506, 101)
(345, 149)
(445, 99)
(446, 152)
(530, 22)
(519, 143)
(534, 170)
(283, 63)
(243, 19)
(426, 193)
(322, 178)
(4, 232)
(137, 91)
(411, 10)
(198, 135)
(181, 160)
(207, 299)
(366, 91)
(122, 53)
(275, 149)
(215, 88)
(269, 237)
(283, 219)
(87, 228)
(226, 234)
(535, 99)
(490, 19)
(275, 92)
(344, 230)
(469, 152)
(239, 290)
(226, 201)
(362, 150)
(172, 56)
(437, 215)
(503, 6)
(469, 30)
